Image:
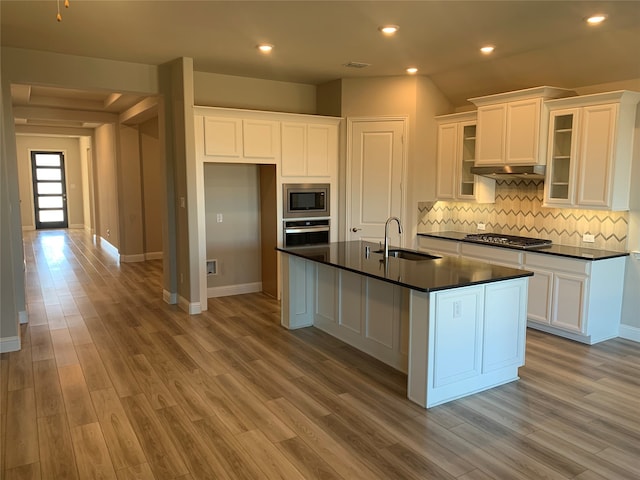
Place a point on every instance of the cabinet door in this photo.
(223, 137)
(540, 294)
(446, 161)
(322, 141)
(523, 132)
(466, 181)
(261, 139)
(596, 155)
(458, 334)
(490, 141)
(568, 301)
(562, 157)
(294, 146)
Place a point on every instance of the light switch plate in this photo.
(588, 238)
(481, 226)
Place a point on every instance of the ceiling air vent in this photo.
(356, 65)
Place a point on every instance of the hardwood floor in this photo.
(113, 383)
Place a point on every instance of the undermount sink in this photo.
(408, 255)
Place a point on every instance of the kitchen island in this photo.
(455, 326)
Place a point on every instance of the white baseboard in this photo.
(28, 228)
(170, 298)
(630, 333)
(23, 317)
(227, 290)
(10, 344)
(107, 246)
(153, 255)
(192, 308)
(137, 257)
(77, 225)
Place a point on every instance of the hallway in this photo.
(113, 383)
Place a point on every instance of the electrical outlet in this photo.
(481, 226)
(219, 217)
(457, 309)
(588, 238)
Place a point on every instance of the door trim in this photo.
(405, 156)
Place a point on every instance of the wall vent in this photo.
(212, 267)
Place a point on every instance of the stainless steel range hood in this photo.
(535, 172)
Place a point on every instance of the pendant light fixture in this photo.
(66, 5)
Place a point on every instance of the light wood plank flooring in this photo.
(112, 383)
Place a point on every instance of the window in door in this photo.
(49, 191)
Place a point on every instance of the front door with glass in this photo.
(49, 191)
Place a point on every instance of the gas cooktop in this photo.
(508, 240)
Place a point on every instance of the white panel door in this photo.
(261, 139)
(321, 141)
(376, 175)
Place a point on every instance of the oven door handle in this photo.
(306, 230)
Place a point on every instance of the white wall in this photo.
(153, 190)
(232, 190)
(70, 147)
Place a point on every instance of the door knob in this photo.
(354, 229)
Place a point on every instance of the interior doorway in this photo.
(49, 190)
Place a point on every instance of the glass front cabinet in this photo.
(456, 154)
(563, 127)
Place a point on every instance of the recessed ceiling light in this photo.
(265, 48)
(487, 49)
(389, 29)
(596, 19)
(412, 70)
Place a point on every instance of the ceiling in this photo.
(537, 42)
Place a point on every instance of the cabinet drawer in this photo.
(491, 254)
(555, 262)
(445, 246)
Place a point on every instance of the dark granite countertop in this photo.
(560, 250)
(426, 275)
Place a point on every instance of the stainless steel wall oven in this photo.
(306, 232)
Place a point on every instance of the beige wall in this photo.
(233, 191)
(631, 301)
(153, 189)
(216, 90)
(70, 147)
(106, 191)
(129, 188)
(12, 292)
(87, 181)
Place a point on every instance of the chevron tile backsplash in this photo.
(518, 211)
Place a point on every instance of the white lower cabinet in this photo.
(569, 297)
(573, 298)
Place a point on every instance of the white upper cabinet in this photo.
(309, 149)
(223, 137)
(455, 157)
(590, 151)
(512, 126)
(236, 139)
(260, 140)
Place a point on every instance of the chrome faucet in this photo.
(386, 234)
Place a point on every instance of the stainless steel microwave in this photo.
(302, 200)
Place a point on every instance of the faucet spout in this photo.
(386, 233)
